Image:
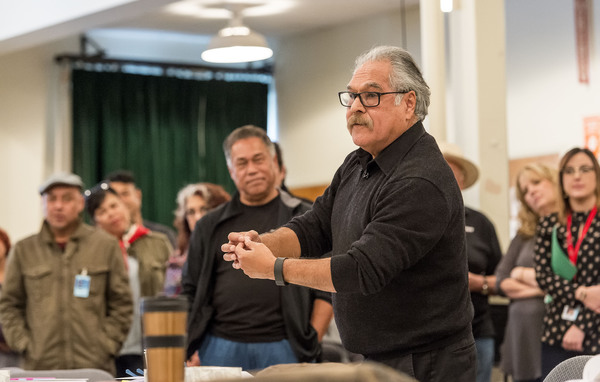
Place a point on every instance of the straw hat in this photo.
(454, 154)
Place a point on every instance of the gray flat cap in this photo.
(63, 179)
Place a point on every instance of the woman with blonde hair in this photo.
(193, 202)
(567, 261)
(515, 276)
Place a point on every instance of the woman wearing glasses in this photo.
(515, 276)
(567, 260)
(193, 202)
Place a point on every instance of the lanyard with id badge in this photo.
(566, 266)
(82, 284)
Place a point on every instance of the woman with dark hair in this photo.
(567, 260)
(145, 254)
(7, 356)
(193, 202)
(515, 276)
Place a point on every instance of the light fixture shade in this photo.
(237, 44)
(446, 5)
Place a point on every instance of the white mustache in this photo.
(357, 119)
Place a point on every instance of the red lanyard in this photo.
(573, 252)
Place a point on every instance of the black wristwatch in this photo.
(278, 271)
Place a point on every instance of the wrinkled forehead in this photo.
(372, 75)
(248, 147)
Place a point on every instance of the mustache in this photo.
(357, 119)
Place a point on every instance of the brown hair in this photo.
(5, 240)
(527, 217)
(213, 194)
(564, 207)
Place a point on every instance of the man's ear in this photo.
(411, 101)
(138, 193)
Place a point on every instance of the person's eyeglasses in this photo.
(368, 99)
(200, 211)
(582, 170)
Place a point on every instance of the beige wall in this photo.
(25, 88)
(311, 69)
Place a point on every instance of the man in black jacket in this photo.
(393, 219)
(236, 321)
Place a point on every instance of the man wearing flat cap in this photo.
(66, 302)
(483, 254)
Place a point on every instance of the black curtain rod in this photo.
(98, 59)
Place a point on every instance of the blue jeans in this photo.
(216, 351)
(485, 358)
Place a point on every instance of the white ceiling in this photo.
(273, 18)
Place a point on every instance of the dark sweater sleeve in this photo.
(313, 228)
(410, 218)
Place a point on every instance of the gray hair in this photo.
(187, 191)
(213, 194)
(247, 131)
(405, 75)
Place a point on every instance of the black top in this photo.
(246, 310)
(395, 226)
(484, 254)
(198, 280)
(562, 291)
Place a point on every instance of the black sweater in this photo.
(396, 229)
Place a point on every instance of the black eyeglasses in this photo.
(368, 99)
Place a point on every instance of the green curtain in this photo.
(167, 131)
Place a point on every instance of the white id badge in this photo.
(82, 286)
(569, 313)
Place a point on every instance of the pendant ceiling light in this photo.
(237, 43)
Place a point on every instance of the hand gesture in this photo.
(255, 259)
(236, 238)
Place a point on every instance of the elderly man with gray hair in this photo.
(393, 219)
